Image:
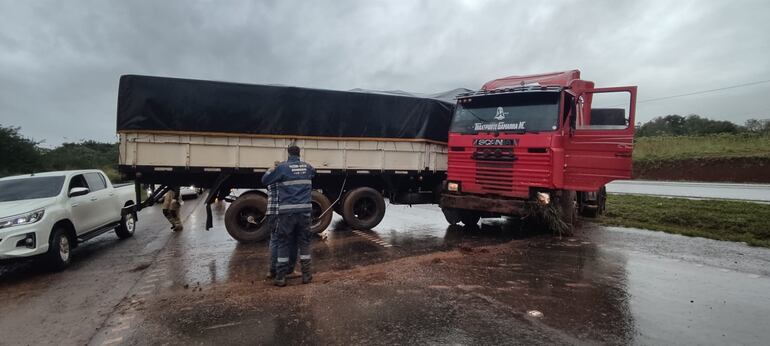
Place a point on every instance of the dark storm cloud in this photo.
(60, 61)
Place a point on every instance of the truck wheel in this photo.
(245, 217)
(320, 204)
(595, 210)
(59, 250)
(601, 200)
(565, 203)
(451, 215)
(126, 227)
(469, 217)
(363, 208)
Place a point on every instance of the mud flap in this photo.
(213, 193)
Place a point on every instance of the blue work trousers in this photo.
(292, 233)
(272, 223)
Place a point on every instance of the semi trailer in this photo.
(552, 139)
(366, 147)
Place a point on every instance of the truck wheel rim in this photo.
(64, 248)
(130, 224)
(243, 219)
(364, 208)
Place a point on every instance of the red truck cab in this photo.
(551, 135)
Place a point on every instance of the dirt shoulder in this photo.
(731, 169)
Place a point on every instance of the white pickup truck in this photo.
(48, 214)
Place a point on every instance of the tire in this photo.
(451, 215)
(566, 205)
(59, 252)
(470, 218)
(127, 226)
(320, 204)
(598, 209)
(363, 208)
(237, 219)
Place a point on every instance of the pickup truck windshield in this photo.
(30, 188)
(519, 112)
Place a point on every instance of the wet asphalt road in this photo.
(739, 192)
(412, 280)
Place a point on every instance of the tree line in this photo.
(22, 155)
(695, 125)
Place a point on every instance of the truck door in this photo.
(84, 215)
(105, 210)
(601, 141)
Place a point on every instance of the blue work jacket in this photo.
(294, 181)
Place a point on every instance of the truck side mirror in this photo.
(79, 191)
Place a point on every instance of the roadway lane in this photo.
(411, 280)
(742, 192)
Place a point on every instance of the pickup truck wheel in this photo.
(126, 227)
(244, 218)
(363, 208)
(59, 250)
(320, 204)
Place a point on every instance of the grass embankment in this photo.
(740, 158)
(701, 147)
(721, 220)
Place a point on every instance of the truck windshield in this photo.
(30, 188)
(519, 112)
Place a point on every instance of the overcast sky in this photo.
(60, 60)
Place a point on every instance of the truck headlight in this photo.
(22, 219)
(452, 186)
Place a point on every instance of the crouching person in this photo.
(171, 206)
(293, 181)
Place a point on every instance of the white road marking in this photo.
(126, 317)
(119, 328)
(113, 341)
(372, 239)
(223, 325)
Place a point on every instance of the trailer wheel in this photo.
(320, 204)
(244, 219)
(363, 208)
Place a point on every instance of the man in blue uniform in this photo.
(293, 180)
(271, 214)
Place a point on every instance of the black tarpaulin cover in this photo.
(173, 104)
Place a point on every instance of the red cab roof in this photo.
(562, 79)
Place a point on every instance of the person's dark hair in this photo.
(293, 150)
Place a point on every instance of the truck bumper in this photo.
(10, 236)
(494, 205)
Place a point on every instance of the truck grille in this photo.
(495, 176)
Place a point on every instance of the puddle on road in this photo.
(581, 286)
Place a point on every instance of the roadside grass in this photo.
(666, 148)
(721, 220)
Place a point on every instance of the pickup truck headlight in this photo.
(22, 219)
(452, 186)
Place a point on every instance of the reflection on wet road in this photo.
(413, 280)
(741, 192)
